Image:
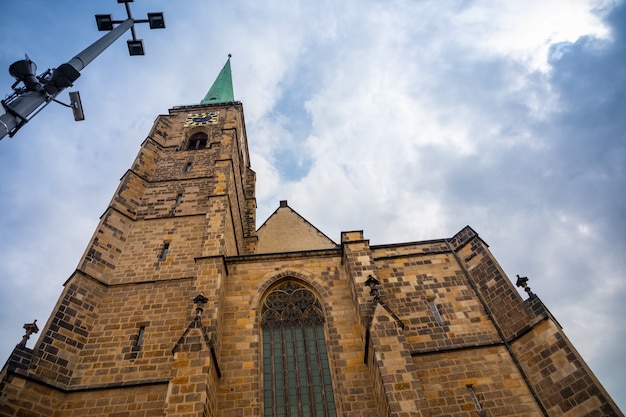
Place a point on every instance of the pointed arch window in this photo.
(296, 373)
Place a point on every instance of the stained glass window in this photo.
(296, 373)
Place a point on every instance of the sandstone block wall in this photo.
(490, 371)
(249, 279)
(438, 323)
(561, 377)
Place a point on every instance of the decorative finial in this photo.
(200, 301)
(373, 283)
(523, 283)
(30, 329)
(229, 55)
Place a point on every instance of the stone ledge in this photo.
(89, 387)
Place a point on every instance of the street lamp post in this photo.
(40, 90)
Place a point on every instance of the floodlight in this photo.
(124, 1)
(135, 47)
(156, 20)
(24, 70)
(104, 22)
(77, 106)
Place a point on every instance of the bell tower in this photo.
(189, 194)
(187, 202)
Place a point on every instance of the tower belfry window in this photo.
(296, 372)
(197, 141)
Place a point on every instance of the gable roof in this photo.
(287, 231)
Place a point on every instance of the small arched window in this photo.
(197, 141)
(296, 372)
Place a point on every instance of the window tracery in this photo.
(296, 371)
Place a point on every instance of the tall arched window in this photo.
(296, 373)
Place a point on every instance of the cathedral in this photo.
(180, 306)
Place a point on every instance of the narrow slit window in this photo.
(435, 310)
(472, 393)
(139, 340)
(188, 167)
(179, 199)
(166, 248)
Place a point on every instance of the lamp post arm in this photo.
(20, 105)
(90, 53)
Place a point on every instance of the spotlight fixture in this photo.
(156, 20)
(104, 22)
(135, 47)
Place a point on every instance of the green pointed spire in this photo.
(222, 89)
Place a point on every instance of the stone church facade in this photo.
(180, 306)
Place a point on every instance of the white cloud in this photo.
(525, 31)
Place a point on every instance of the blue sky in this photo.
(406, 119)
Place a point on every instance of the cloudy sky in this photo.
(407, 119)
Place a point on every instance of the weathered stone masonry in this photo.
(162, 316)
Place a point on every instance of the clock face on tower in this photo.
(201, 119)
